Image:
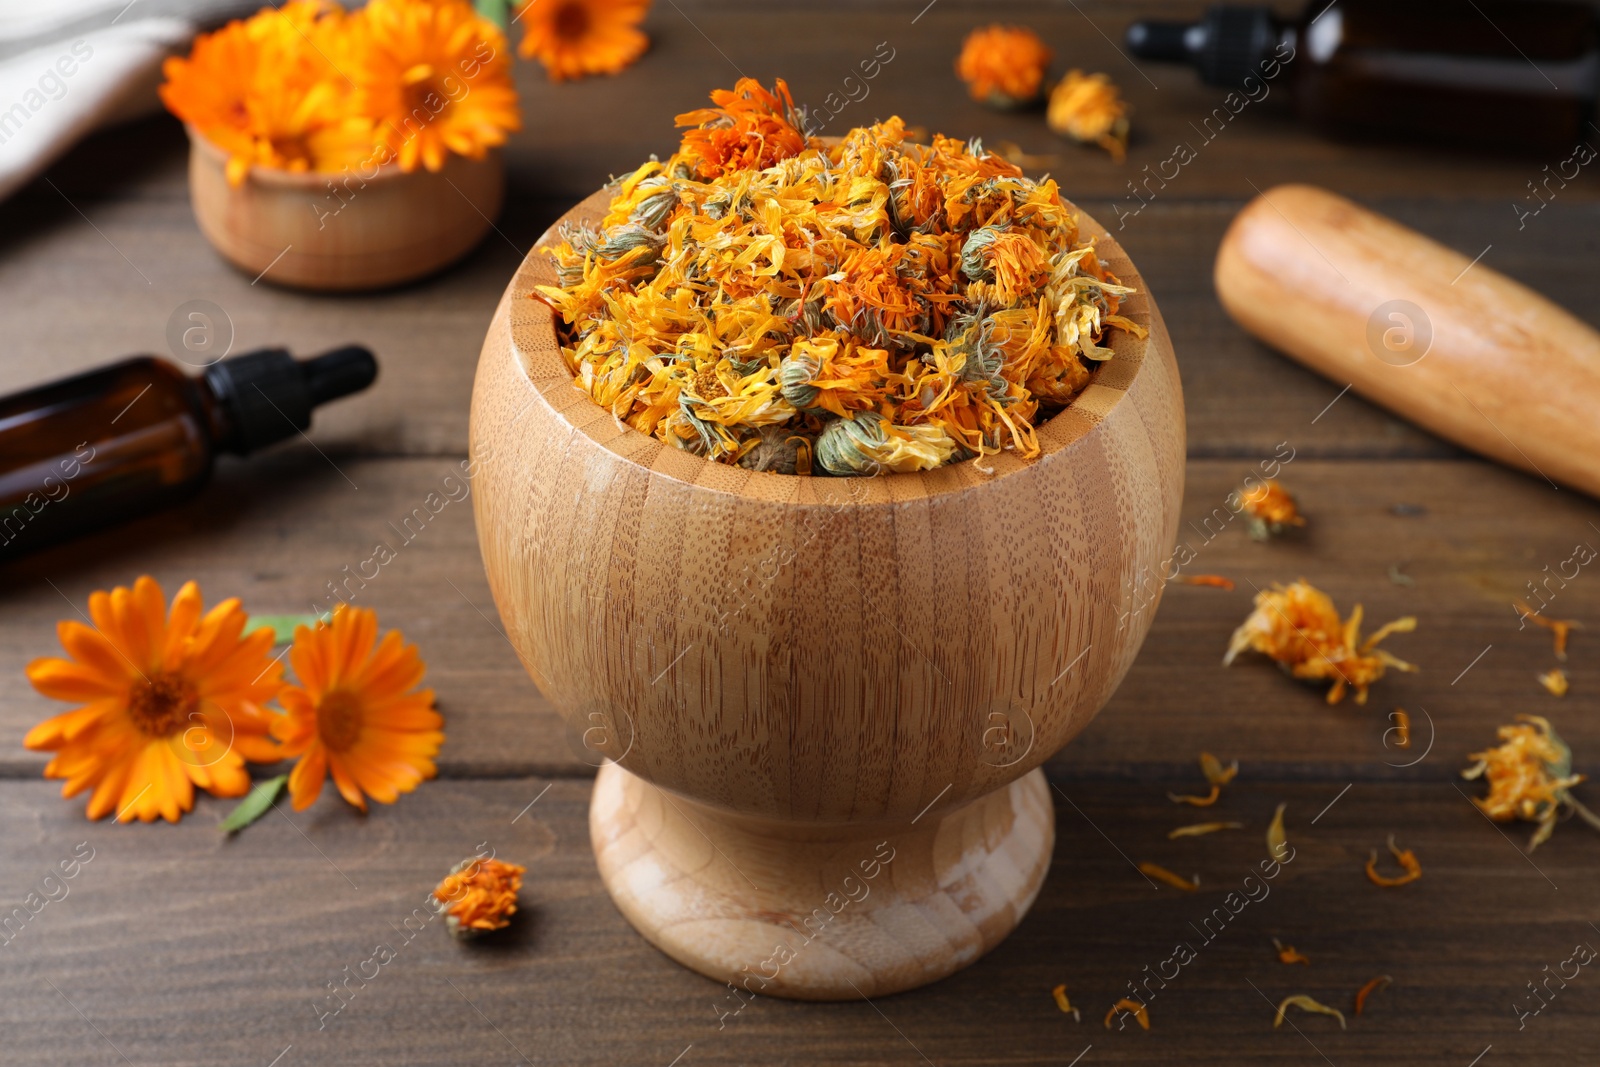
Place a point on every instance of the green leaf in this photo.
(496, 11)
(282, 626)
(255, 804)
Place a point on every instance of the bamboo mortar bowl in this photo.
(822, 702)
(366, 229)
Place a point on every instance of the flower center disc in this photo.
(338, 720)
(572, 21)
(161, 705)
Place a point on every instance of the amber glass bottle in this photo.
(109, 444)
(1495, 74)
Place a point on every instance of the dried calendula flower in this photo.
(765, 299)
(1161, 874)
(1270, 509)
(1383, 981)
(1289, 954)
(1305, 1003)
(1215, 581)
(1132, 1007)
(1408, 862)
(1530, 778)
(1200, 829)
(1060, 995)
(1555, 682)
(1559, 628)
(1216, 774)
(1298, 626)
(1004, 66)
(478, 896)
(1089, 109)
(1277, 840)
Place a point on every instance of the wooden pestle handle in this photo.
(1467, 353)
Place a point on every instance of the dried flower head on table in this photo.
(1298, 626)
(1004, 66)
(1530, 778)
(873, 305)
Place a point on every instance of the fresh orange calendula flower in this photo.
(356, 712)
(170, 701)
(1089, 109)
(1298, 626)
(1530, 777)
(1004, 65)
(573, 38)
(433, 78)
(1408, 863)
(479, 895)
(1270, 508)
(306, 87)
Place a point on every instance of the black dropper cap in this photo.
(1228, 44)
(268, 395)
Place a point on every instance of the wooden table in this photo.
(177, 945)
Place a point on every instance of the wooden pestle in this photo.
(1420, 329)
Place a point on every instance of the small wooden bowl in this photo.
(337, 232)
(824, 700)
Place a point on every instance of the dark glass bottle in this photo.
(109, 444)
(1494, 74)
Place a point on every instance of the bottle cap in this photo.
(1227, 45)
(269, 395)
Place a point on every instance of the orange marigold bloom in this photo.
(1004, 65)
(750, 128)
(1270, 509)
(1088, 109)
(170, 701)
(356, 712)
(1298, 626)
(479, 895)
(573, 38)
(434, 78)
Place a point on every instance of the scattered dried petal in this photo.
(1060, 993)
(1408, 862)
(1305, 1003)
(1289, 954)
(1401, 728)
(1139, 1012)
(1559, 628)
(1277, 840)
(1214, 581)
(1199, 829)
(1298, 626)
(1381, 982)
(1215, 772)
(1197, 801)
(1555, 681)
(1161, 874)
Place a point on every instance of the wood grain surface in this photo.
(178, 947)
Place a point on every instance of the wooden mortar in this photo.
(821, 703)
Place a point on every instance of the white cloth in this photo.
(68, 67)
